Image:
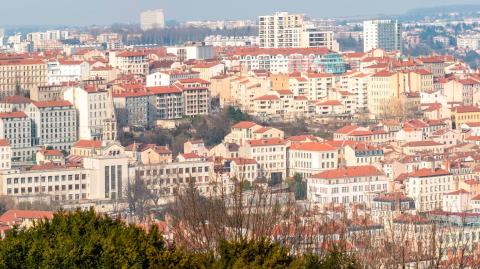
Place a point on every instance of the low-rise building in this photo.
(346, 185)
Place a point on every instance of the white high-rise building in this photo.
(2, 36)
(283, 30)
(152, 19)
(279, 30)
(382, 34)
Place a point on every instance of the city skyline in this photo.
(29, 12)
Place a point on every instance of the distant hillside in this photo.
(444, 9)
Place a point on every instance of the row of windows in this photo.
(23, 180)
(43, 189)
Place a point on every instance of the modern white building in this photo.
(280, 30)
(357, 184)
(95, 111)
(468, 42)
(168, 77)
(152, 19)
(54, 124)
(16, 127)
(67, 70)
(382, 34)
(311, 158)
(284, 30)
(129, 62)
(100, 178)
(428, 187)
(192, 51)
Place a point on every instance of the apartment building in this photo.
(357, 185)
(310, 158)
(135, 109)
(54, 124)
(192, 51)
(22, 74)
(64, 70)
(168, 77)
(427, 187)
(167, 179)
(382, 34)
(95, 110)
(5, 155)
(152, 19)
(243, 169)
(16, 127)
(168, 102)
(319, 85)
(463, 115)
(100, 178)
(278, 30)
(270, 154)
(196, 96)
(289, 60)
(14, 103)
(241, 132)
(46, 92)
(383, 90)
(129, 62)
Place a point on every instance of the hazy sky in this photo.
(87, 12)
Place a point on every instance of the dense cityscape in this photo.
(303, 142)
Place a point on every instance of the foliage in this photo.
(250, 254)
(173, 36)
(299, 187)
(85, 239)
(80, 239)
(211, 128)
(332, 260)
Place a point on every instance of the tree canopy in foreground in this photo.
(85, 239)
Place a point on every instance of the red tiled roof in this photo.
(51, 152)
(330, 103)
(408, 218)
(22, 62)
(16, 114)
(190, 155)
(346, 129)
(427, 143)
(163, 89)
(468, 81)
(346, 172)
(244, 125)
(466, 109)
(14, 215)
(312, 146)
(205, 64)
(284, 92)
(267, 97)
(262, 130)
(300, 98)
(458, 192)
(384, 73)
(131, 54)
(44, 104)
(4, 143)
(473, 124)
(132, 94)
(427, 172)
(16, 99)
(266, 142)
(192, 80)
(88, 144)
